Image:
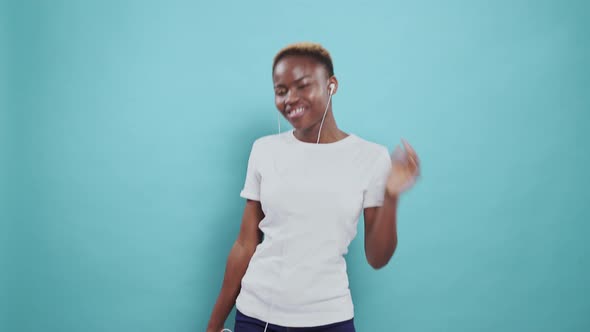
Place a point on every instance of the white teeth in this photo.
(296, 111)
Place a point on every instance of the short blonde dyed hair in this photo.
(312, 50)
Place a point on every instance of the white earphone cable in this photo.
(279, 121)
(282, 248)
(324, 117)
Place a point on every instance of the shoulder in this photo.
(373, 149)
(267, 139)
(268, 142)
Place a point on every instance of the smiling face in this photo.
(301, 90)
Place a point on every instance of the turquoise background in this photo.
(126, 128)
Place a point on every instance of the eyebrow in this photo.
(297, 80)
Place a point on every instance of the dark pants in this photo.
(249, 324)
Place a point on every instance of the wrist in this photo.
(389, 195)
(214, 327)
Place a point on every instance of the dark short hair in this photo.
(313, 50)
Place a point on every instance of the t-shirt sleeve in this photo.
(373, 195)
(251, 188)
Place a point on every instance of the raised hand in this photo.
(405, 169)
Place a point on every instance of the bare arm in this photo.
(381, 232)
(381, 222)
(237, 263)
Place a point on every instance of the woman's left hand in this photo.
(405, 169)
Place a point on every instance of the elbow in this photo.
(377, 264)
(379, 261)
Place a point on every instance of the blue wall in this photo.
(130, 124)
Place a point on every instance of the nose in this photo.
(291, 97)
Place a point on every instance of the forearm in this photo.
(382, 239)
(236, 266)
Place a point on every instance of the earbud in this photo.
(331, 86)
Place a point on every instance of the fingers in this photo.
(412, 157)
(410, 150)
(398, 155)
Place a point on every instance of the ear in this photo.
(332, 85)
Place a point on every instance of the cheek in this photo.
(279, 103)
(316, 98)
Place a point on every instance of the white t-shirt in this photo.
(312, 196)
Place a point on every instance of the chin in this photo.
(297, 125)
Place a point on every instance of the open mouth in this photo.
(296, 112)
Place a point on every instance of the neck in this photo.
(330, 132)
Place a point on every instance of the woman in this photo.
(305, 190)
